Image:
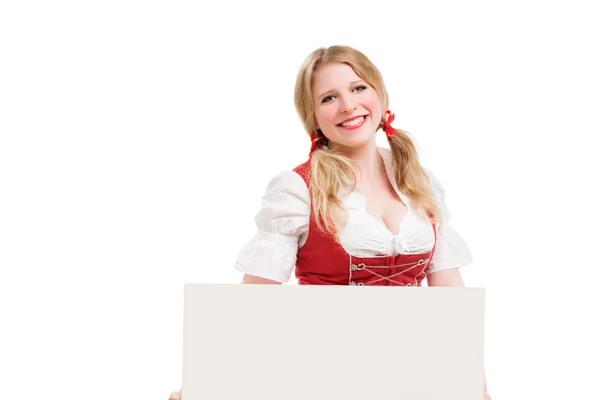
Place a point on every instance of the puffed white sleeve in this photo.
(282, 222)
(451, 251)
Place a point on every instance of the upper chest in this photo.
(383, 203)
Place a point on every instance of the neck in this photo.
(367, 158)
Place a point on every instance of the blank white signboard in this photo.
(288, 342)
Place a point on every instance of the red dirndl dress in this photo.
(323, 261)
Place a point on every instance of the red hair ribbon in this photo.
(387, 124)
(315, 143)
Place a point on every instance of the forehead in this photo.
(333, 76)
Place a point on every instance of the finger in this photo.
(175, 396)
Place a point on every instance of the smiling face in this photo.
(347, 109)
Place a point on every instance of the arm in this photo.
(452, 277)
(446, 277)
(255, 280)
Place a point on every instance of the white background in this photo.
(138, 137)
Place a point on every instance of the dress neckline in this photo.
(386, 155)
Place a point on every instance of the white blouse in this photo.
(284, 219)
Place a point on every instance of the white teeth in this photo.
(353, 122)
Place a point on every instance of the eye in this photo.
(357, 89)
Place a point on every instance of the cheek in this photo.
(324, 115)
(372, 102)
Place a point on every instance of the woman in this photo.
(354, 213)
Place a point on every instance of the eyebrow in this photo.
(333, 90)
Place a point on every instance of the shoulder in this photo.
(285, 205)
(303, 170)
(287, 181)
(434, 183)
(435, 187)
(438, 194)
(286, 196)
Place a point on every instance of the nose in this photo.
(347, 105)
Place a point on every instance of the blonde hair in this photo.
(331, 171)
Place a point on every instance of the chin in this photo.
(355, 144)
(354, 139)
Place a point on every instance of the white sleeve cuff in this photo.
(270, 256)
(451, 251)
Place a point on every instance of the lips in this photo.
(349, 122)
